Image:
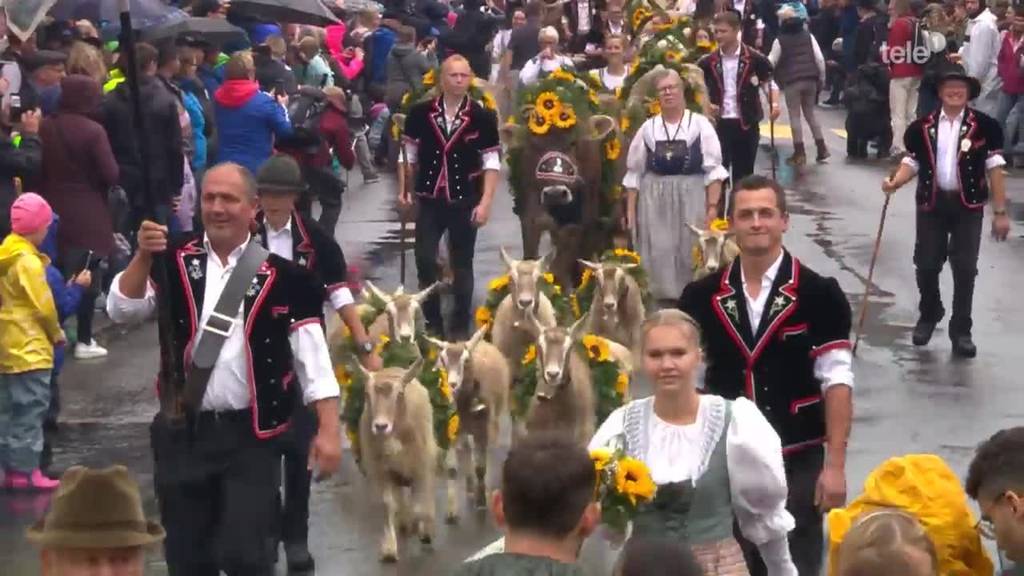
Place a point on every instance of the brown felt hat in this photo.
(96, 509)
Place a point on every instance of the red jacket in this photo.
(1009, 66)
(335, 136)
(897, 47)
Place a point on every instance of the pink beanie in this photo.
(30, 213)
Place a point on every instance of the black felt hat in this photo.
(953, 71)
(280, 174)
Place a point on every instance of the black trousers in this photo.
(433, 219)
(950, 231)
(72, 262)
(216, 484)
(297, 477)
(739, 146)
(325, 186)
(807, 540)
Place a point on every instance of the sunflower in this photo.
(566, 118)
(623, 253)
(612, 149)
(654, 108)
(706, 45)
(585, 278)
(633, 480)
(342, 376)
(446, 389)
(549, 277)
(453, 427)
(720, 225)
(556, 289)
(429, 79)
(601, 457)
(622, 384)
(384, 340)
(560, 74)
(548, 103)
(673, 56)
(575, 303)
(593, 97)
(624, 123)
(488, 101)
(483, 317)
(639, 16)
(511, 120)
(498, 283)
(538, 124)
(597, 348)
(530, 355)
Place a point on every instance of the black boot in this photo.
(961, 323)
(930, 307)
(823, 153)
(300, 561)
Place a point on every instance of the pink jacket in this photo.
(350, 66)
(1009, 66)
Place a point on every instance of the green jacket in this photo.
(517, 565)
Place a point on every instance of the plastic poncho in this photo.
(924, 486)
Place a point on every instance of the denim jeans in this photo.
(24, 399)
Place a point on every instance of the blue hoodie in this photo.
(65, 297)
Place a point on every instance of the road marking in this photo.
(782, 131)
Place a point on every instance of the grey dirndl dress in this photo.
(672, 164)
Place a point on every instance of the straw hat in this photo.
(96, 509)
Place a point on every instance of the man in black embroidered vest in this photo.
(216, 473)
(778, 333)
(297, 238)
(453, 153)
(956, 154)
(735, 75)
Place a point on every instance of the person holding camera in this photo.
(21, 153)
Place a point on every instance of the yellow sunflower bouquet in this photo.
(623, 485)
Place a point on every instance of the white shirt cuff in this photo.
(341, 297)
(492, 160)
(833, 368)
(911, 163)
(312, 362)
(718, 173)
(411, 149)
(122, 309)
(994, 161)
(631, 180)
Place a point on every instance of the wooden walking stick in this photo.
(403, 164)
(771, 132)
(871, 271)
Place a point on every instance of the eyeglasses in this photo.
(669, 89)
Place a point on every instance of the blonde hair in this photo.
(87, 59)
(278, 47)
(453, 59)
(879, 542)
(240, 66)
(669, 317)
(548, 33)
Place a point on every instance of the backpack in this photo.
(304, 111)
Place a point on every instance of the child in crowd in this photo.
(657, 557)
(887, 543)
(29, 329)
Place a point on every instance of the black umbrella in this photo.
(215, 30)
(312, 12)
(145, 13)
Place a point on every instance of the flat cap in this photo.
(40, 58)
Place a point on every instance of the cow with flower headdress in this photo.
(561, 153)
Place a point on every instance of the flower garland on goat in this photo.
(697, 255)
(610, 381)
(498, 289)
(581, 299)
(399, 354)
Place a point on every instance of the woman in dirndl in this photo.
(674, 177)
(712, 459)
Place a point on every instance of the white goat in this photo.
(480, 379)
(617, 309)
(511, 333)
(717, 249)
(564, 400)
(402, 319)
(399, 450)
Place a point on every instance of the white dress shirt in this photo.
(608, 80)
(947, 154)
(730, 66)
(831, 368)
(280, 242)
(690, 127)
(228, 387)
(533, 68)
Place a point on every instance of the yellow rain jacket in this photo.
(924, 486)
(28, 317)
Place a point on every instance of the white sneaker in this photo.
(89, 351)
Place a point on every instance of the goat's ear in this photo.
(576, 331)
(376, 292)
(422, 295)
(507, 259)
(592, 265)
(359, 367)
(439, 344)
(694, 229)
(476, 338)
(413, 371)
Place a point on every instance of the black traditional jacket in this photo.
(753, 71)
(313, 249)
(980, 138)
(805, 316)
(282, 298)
(449, 167)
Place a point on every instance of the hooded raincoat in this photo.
(29, 327)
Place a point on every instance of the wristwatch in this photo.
(999, 211)
(365, 347)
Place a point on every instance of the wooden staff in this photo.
(403, 165)
(871, 269)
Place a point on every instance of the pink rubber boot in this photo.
(36, 481)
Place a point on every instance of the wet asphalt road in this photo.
(907, 399)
